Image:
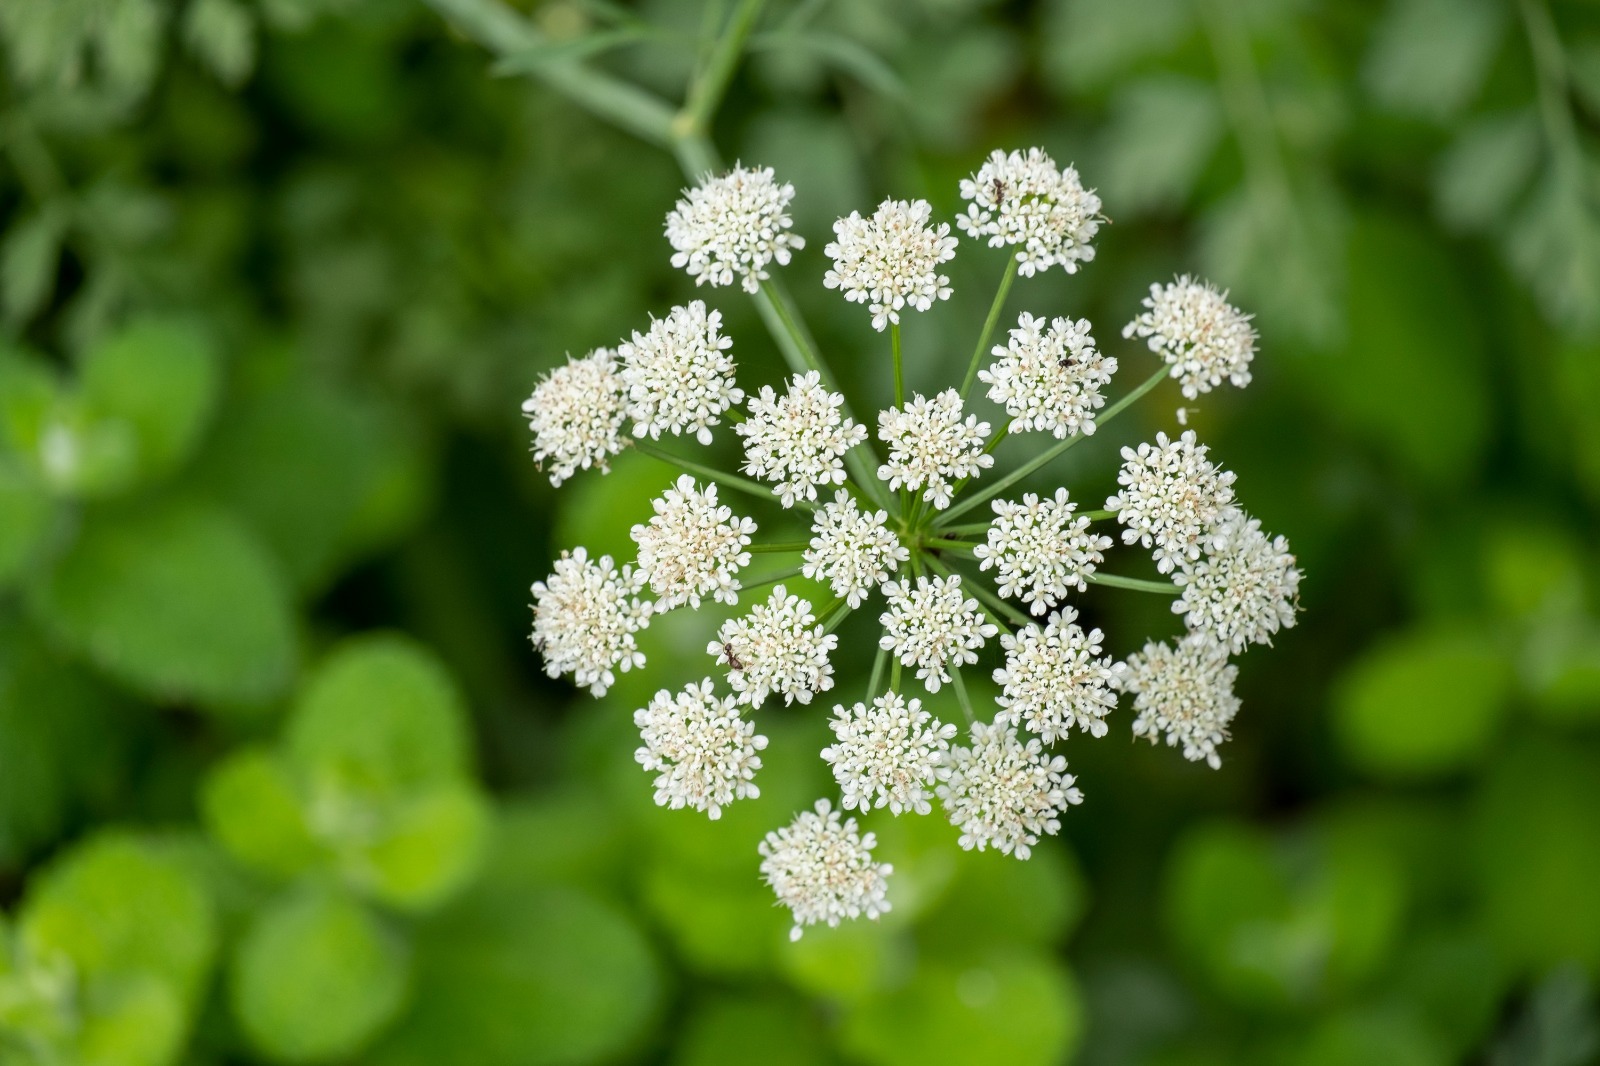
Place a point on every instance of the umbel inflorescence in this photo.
(885, 496)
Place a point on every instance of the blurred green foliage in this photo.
(280, 780)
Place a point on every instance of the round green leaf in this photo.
(724, 1031)
(159, 377)
(1538, 854)
(251, 807)
(25, 514)
(1012, 1008)
(119, 906)
(177, 601)
(316, 977)
(429, 849)
(380, 716)
(1424, 703)
(532, 978)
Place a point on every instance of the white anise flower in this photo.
(1184, 692)
(1203, 337)
(584, 618)
(1243, 590)
(887, 755)
(1171, 499)
(932, 626)
(1004, 794)
(692, 547)
(823, 870)
(678, 374)
(576, 414)
(1022, 200)
(704, 752)
(777, 647)
(853, 550)
(931, 448)
(799, 441)
(1055, 678)
(733, 226)
(891, 260)
(1039, 549)
(1049, 380)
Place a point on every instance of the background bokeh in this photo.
(281, 780)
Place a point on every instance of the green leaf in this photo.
(1430, 57)
(723, 1032)
(1392, 1037)
(61, 742)
(536, 977)
(140, 1021)
(317, 977)
(251, 806)
(28, 259)
(222, 34)
(1537, 836)
(26, 515)
(1089, 42)
(1423, 704)
(1486, 168)
(997, 900)
(159, 377)
(1016, 1008)
(429, 849)
(118, 906)
(1161, 133)
(176, 600)
(380, 716)
(1553, 242)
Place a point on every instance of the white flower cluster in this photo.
(1003, 788)
(1244, 590)
(733, 226)
(1040, 550)
(1049, 379)
(891, 260)
(853, 550)
(1055, 678)
(798, 442)
(776, 648)
(1171, 500)
(584, 618)
(823, 870)
(932, 626)
(692, 547)
(931, 448)
(702, 752)
(1005, 794)
(576, 414)
(678, 374)
(887, 755)
(1184, 693)
(1203, 337)
(1023, 201)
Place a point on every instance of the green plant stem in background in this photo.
(899, 374)
(1045, 457)
(771, 579)
(777, 549)
(1134, 584)
(989, 324)
(835, 612)
(732, 481)
(1554, 82)
(1097, 516)
(705, 96)
(879, 661)
(961, 695)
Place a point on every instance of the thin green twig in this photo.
(1136, 584)
(989, 324)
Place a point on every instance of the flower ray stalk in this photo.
(989, 324)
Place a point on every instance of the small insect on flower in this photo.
(734, 662)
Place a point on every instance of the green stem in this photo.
(961, 695)
(1115, 581)
(974, 527)
(1045, 457)
(1097, 516)
(502, 29)
(712, 84)
(988, 325)
(835, 612)
(894, 675)
(994, 441)
(878, 663)
(778, 549)
(732, 481)
(770, 579)
(899, 375)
